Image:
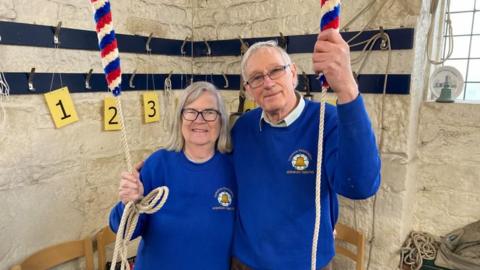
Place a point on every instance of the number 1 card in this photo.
(61, 107)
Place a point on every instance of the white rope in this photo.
(366, 51)
(380, 140)
(149, 67)
(449, 35)
(126, 148)
(55, 58)
(354, 18)
(368, 23)
(168, 105)
(318, 179)
(418, 247)
(132, 210)
(148, 205)
(4, 93)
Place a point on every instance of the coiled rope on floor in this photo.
(111, 64)
(419, 246)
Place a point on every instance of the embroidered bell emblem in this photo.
(300, 162)
(224, 198)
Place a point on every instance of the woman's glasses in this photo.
(208, 115)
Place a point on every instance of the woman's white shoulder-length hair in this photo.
(176, 142)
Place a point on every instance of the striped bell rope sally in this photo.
(113, 73)
(330, 19)
(107, 43)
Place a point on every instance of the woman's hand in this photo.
(131, 188)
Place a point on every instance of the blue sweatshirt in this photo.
(275, 169)
(194, 229)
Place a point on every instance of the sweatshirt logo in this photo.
(300, 161)
(224, 197)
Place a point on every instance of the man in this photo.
(275, 155)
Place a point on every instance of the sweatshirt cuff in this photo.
(352, 112)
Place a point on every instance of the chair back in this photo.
(353, 237)
(58, 254)
(104, 237)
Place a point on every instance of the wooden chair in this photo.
(104, 237)
(58, 254)
(349, 235)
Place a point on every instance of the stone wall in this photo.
(448, 172)
(53, 179)
(60, 184)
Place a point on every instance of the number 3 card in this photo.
(61, 107)
(151, 108)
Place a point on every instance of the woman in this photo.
(194, 228)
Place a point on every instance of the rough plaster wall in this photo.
(59, 184)
(448, 175)
(445, 184)
(417, 85)
(45, 171)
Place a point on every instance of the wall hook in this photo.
(383, 36)
(132, 77)
(147, 45)
(182, 49)
(243, 46)
(283, 42)
(30, 80)
(168, 81)
(87, 79)
(209, 50)
(56, 35)
(306, 86)
(226, 80)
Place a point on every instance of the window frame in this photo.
(475, 11)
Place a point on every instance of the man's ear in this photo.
(248, 92)
(293, 69)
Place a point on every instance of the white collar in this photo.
(290, 118)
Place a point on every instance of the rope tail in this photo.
(113, 73)
(330, 12)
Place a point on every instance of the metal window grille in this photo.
(465, 17)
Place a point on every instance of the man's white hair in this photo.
(265, 44)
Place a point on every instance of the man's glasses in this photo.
(273, 74)
(208, 115)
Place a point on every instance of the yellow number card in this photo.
(249, 105)
(111, 117)
(61, 107)
(151, 107)
(331, 99)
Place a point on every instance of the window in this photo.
(465, 17)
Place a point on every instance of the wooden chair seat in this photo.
(52, 256)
